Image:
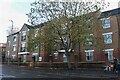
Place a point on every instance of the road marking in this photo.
(6, 76)
(42, 76)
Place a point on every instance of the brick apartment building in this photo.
(17, 46)
(107, 30)
(108, 35)
(111, 33)
(16, 43)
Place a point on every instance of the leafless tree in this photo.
(70, 21)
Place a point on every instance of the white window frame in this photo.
(14, 47)
(64, 58)
(23, 33)
(89, 40)
(56, 55)
(108, 40)
(108, 24)
(110, 55)
(90, 54)
(23, 43)
(13, 56)
(15, 38)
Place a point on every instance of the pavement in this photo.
(23, 72)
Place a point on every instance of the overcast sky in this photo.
(16, 10)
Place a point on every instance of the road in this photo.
(11, 71)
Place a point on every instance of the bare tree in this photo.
(69, 21)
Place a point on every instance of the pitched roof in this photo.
(13, 34)
(34, 26)
(39, 25)
(112, 12)
(28, 26)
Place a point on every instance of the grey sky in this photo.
(16, 10)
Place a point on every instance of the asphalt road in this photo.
(21, 72)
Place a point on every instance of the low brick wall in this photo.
(99, 64)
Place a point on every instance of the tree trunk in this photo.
(76, 60)
(68, 62)
(50, 61)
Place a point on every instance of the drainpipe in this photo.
(18, 48)
(117, 16)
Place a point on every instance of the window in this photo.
(14, 47)
(107, 38)
(64, 58)
(89, 55)
(64, 39)
(106, 23)
(64, 28)
(14, 38)
(89, 40)
(22, 49)
(23, 46)
(56, 55)
(110, 54)
(24, 33)
(13, 56)
(23, 37)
